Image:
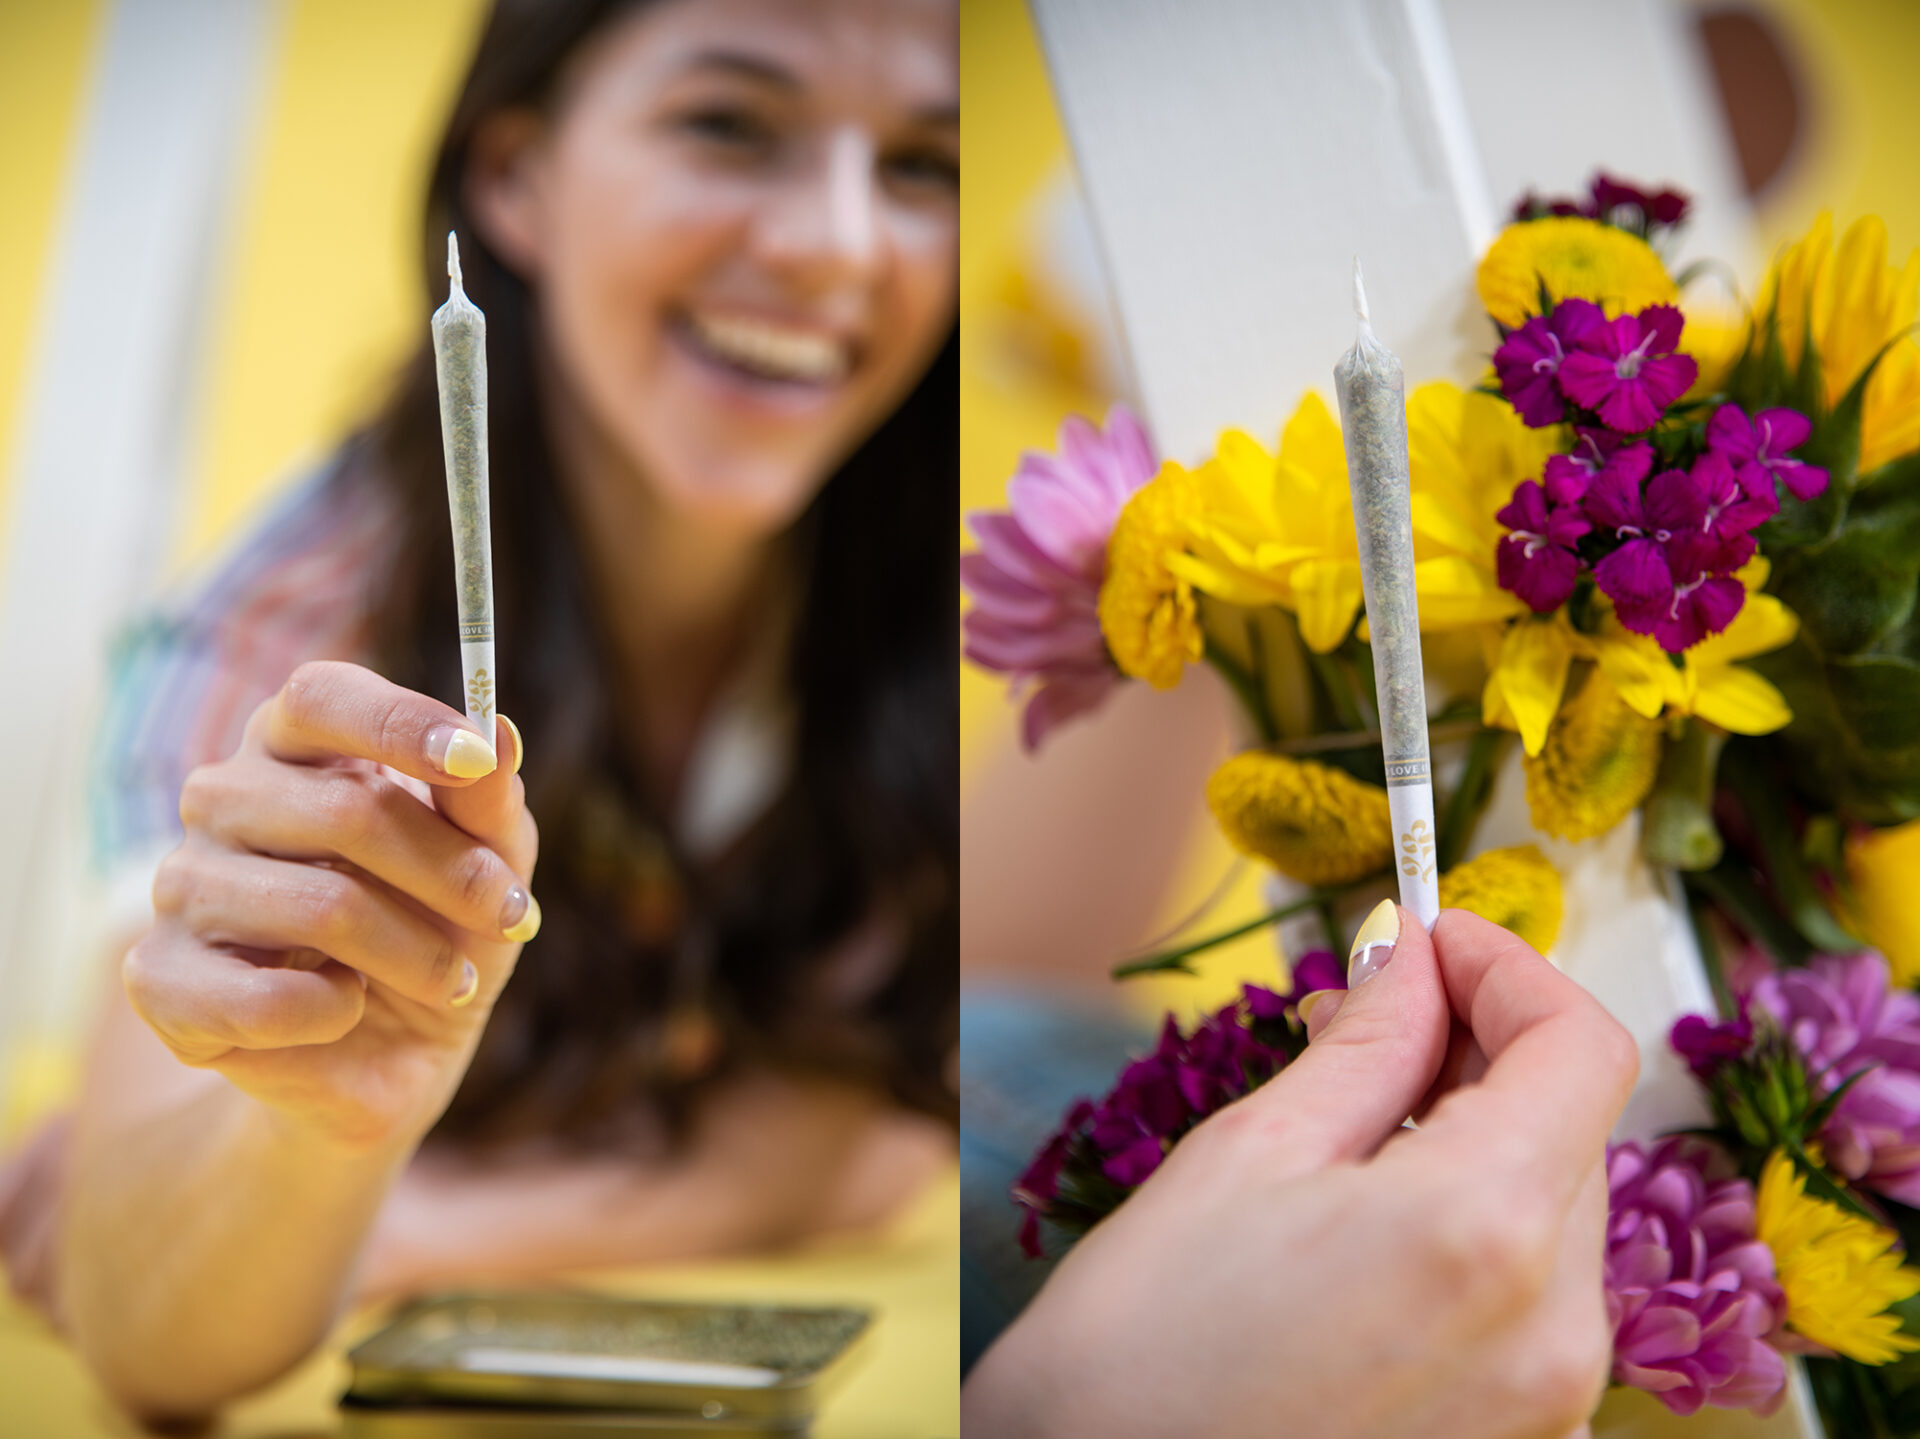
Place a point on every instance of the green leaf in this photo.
(1745, 771)
(1856, 587)
(1817, 1117)
(1821, 1186)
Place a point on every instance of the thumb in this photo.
(1368, 1067)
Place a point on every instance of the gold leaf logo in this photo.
(1416, 850)
(480, 695)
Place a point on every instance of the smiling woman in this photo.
(715, 241)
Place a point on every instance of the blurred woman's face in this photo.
(741, 220)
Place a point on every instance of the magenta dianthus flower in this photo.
(1706, 1044)
(1843, 1016)
(1757, 448)
(1035, 580)
(1691, 1291)
(1626, 369)
(1528, 360)
(1669, 576)
(1536, 559)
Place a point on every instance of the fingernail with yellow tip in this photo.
(1373, 946)
(1310, 1001)
(519, 745)
(469, 985)
(460, 752)
(520, 919)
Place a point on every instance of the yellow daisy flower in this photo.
(1517, 888)
(1840, 1272)
(1597, 764)
(1576, 259)
(1279, 529)
(1466, 451)
(1526, 674)
(1855, 303)
(1881, 865)
(1147, 612)
(1311, 822)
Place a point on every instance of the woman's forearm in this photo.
(207, 1246)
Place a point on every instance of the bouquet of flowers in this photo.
(1675, 559)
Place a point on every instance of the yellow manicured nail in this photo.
(460, 752)
(1373, 946)
(520, 920)
(1310, 1001)
(519, 745)
(469, 985)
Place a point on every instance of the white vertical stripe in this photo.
(113, 383)
(1472, 201)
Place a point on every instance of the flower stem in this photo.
(1470, 796)
(1252, 697)
(1176, 959)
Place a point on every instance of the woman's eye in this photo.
(734, 129)
(928, 169)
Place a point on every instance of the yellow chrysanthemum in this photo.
(1576, 259)
(1855, 303)
(1517, 888)
(1597, 764)
(1881, 866)
(1147, 612)
(1311, 822)
(1840, 1272)
(1272, 529)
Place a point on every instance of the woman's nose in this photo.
(826, 226)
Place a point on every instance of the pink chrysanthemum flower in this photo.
(1691, 1291)
(1035, 579)
(1843, 1016)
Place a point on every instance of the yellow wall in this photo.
(324, 298)
(44, 55)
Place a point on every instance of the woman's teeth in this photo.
(773, 351)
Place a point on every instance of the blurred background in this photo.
(208, 271)
(1809, 105)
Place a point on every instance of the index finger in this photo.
(1559, 1067)
(329, 708)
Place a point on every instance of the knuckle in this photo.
(1619, 1053)
(1492, 1257)
(347, 806)
(441, 966)
(1568, 1374)
(140, 976)
(331, 908)
(173, 884)
(200, 797)
(479, 885)
(396, 727)
(304, 695)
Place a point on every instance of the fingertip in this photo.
(460, 753)
(511, 743)
(1317, 1009)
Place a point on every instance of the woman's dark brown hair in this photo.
(652, 975)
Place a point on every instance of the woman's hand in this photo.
(1302, 1265)
(347, 903)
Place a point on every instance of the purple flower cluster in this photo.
(1842, 1016)
(1662, 546)
(1614, 201)
(1691, 1291)
(1187, 1077)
